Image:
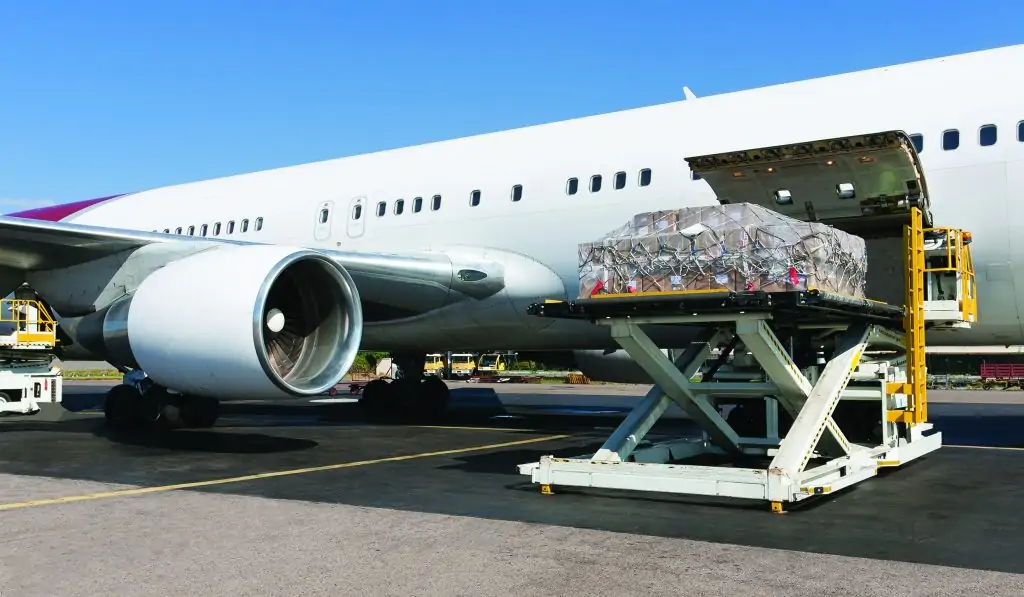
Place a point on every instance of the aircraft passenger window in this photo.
(167, 230)
(987, 135)
(572, 186)
(517, 192)
(474, 198)
(323, 215)
(435, 202)
(191, 230)
(1020, 131)
(258, 225)
(382, 208)
(177, 230)
(203, 229)
(595, 183)
(357, 211)
(216, 229)
(950, 139)
(918, 141)
(231, 227)
(399, 207)
(245, 225)
(645, 177)
(620, 180)
(417, 204)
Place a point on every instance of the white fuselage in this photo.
(972, 187)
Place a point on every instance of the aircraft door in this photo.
(356, 217)
(324, 214)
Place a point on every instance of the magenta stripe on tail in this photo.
(56, 213)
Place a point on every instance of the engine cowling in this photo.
(250, 321)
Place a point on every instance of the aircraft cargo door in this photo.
(355, 217)
(324, 214)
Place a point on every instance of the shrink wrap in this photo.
(738, 247)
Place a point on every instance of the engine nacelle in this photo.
(250, 321)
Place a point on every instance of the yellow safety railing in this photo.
(33, 323)
(913, 321)
(959, 262)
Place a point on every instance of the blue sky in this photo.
(113, 96)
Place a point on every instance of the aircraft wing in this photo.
(391, 286)
(33, 245)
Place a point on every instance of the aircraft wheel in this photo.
(376, 398)
(157, 409)
(121, 406)
(199, 412)
(748, 420)
(434, 397)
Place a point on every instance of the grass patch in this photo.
(92, 374)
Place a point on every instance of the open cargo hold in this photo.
(737, 247)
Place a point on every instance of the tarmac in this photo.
(307, 498)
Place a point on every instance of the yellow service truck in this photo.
(495, 362)
(434, 365)
(462, 365)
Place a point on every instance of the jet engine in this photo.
(235, 322)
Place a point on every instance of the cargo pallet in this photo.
(795, 356)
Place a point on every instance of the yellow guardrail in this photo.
(32, 322)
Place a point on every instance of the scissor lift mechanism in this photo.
(877, 349)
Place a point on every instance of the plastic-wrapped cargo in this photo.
(738, 247)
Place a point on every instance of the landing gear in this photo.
(154, 408)
(411, 396)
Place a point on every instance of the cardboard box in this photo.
(738, 247)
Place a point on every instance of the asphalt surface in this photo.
(309, 499)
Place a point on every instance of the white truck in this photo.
(28, 338)
(25, 385)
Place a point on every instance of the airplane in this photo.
(267, 284)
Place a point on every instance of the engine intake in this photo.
(236, 322)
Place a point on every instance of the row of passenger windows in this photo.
(571, 188)
(987, 136)
(382, 207)
(215, 229)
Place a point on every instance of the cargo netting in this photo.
(739, 247)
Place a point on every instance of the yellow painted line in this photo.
(471, 428)
(1000, 448)
(298, 471)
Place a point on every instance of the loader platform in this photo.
(800, 307)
